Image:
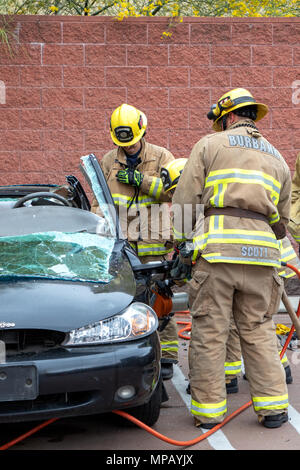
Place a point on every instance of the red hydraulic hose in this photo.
(27, 434)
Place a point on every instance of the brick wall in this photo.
(67, 74)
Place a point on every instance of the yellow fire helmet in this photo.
(170, 174)
(234, 99)
(127, 125)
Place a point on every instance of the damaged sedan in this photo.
(75, 336)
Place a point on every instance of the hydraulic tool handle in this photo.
(283, 263)
(292, 314)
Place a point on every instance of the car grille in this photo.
(30, 341)
(49, 402)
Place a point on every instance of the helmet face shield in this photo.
(166, 180)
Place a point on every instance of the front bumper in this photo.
(83, 380)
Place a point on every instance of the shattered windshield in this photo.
(56, 255)
(59, 242)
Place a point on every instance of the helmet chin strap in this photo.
(224, 122)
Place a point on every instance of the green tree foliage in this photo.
(172, 8)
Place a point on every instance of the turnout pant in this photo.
(233, 362)
(251, 294)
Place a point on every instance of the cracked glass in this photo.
(77, 256)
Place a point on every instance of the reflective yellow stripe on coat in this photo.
(219, 179)
(125, 201)
(218, 235)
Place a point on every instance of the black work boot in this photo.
(232, 386)
(274, 421)
(288, 375)
(166, 369)
(208, 425)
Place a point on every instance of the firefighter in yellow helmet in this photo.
(170, 174)
(243, 184)
(132, 170)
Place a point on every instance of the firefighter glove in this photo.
(182, 267)
(130, 176)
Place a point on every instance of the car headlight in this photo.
(137, 320)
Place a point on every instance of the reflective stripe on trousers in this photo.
(209, 410)
(233, 368)
(270, 403)
(169, 345)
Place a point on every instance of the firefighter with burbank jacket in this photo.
(244, 185)
(132, 170)
(233, 361)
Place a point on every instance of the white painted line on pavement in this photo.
(294, 418)
(218, 440)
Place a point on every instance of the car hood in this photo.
(65, 305)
